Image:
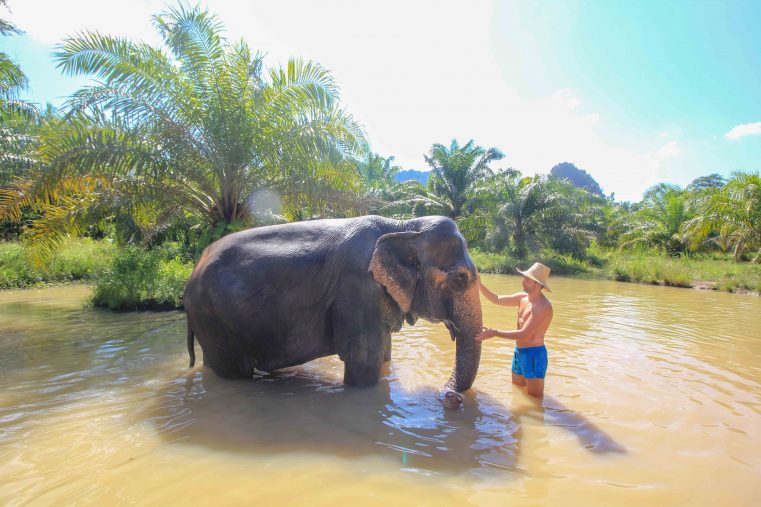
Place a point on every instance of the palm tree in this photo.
(514, 209)
(6, 27)
(195, 130)
(17, 121)
(404, 200)
(456, 169)
(657, 220)
(17, 117)
(733, 212)
(573, 217)
(378, 172)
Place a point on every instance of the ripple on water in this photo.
(649, 389)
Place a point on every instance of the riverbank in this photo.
(133, 278)
(704, 273)
(78, 260)
(123, 278)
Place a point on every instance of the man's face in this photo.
(528, 284)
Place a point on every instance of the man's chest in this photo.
(524, 312)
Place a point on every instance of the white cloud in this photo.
(670, 149)
(675, 132)
(746, 129)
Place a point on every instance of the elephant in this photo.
(277, 296)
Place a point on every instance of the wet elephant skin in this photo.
(278, 296)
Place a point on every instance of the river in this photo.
(653, 397)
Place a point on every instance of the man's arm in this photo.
(540, 317)
(511, 300)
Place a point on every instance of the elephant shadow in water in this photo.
(302, 409)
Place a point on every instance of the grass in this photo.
(140, 279)
(133, 278)
(714, 272)
(722, 274)
(125, 278)
(80, 259)
(560, 264)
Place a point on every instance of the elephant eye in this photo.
(459, 281)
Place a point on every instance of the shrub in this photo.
(79, 259)
(488, 262)
(140, 279)
(560, 264)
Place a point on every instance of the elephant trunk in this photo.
(467, 322)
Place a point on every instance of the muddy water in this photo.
(653, 398)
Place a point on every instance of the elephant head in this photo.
(429, 274)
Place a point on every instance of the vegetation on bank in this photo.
(502, 263)
(700, 271)
(124, 278)
(644, 266)
(178, 145)
(79, 259)
(136, 278)
(140, 279)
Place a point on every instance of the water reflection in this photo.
(301, 410)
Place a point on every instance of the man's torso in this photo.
(525, 310)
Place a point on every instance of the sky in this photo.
(635, 93)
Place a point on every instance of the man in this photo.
(534, 317)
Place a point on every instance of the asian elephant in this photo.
(282, 295)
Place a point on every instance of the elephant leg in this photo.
(361, 345)
(387, 347)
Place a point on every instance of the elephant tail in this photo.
(191, 345)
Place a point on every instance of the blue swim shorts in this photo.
(530, 362)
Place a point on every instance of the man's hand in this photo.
(485, 334)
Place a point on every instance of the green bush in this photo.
(683, 271)
(561, 264)
(641, 266)
(140, 279)
(650, 268)
(488, 262)
(79, 259)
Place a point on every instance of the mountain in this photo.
(411, 174)
(579, 177)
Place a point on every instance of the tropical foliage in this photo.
(378, 172)
(173, 147)
(140, 279)
(729, 216)
(15, 114)
(12, 79)
(19, 121)
(657, 221)
(456, 169)
(193, 129)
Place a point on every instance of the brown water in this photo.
(654, 398)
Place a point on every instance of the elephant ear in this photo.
(395, 266)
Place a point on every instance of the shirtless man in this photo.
(534, 317)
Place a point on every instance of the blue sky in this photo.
(633, 92)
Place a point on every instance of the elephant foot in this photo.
(452, 400)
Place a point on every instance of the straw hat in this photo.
(539, 273)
